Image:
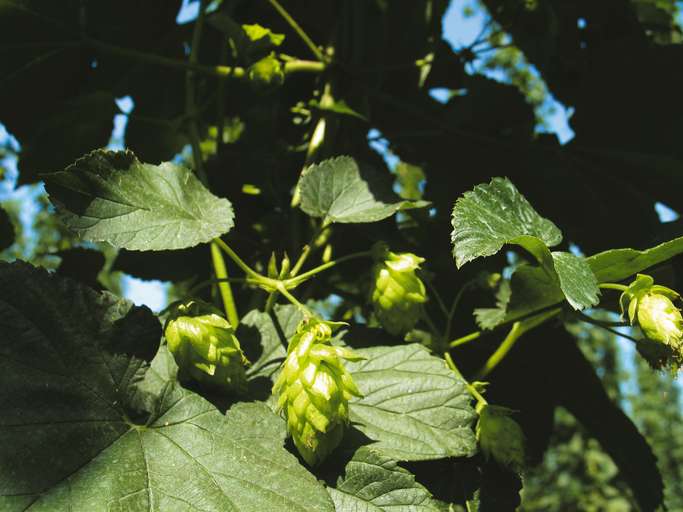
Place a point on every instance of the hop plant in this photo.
(397, 292)
(267, 73)
(651, 307)
(314, 390)
(500, 437)
(205, 348)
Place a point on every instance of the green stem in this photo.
(238, 261)
(454, 306)
(296, 281)
(438, 298)
(518, 329)
(303, 66)
(292, 23)
(224, 285)
(473, 391)
(209, 282)
(302, 259)
(608, 326)
(306, 251)
(190, 95)
(291, 298)
(600, 323)
(290, 67)
(150, 58)
(465, 339)
(431, 325)
(270, 301)
(613, 286)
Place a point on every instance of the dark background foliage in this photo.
(617, 63)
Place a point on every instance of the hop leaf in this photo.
(500, 437)
(397, 292)
(314, 390)
(651, 307)
(267, 73)
(205, 348)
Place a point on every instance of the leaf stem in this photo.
(224, 285)
(291, 298)
(613, 286)
(238, 261)
(290, 67)
(518, 329)
(295, 281)
(454, 306)
(473, 391)
(306, 251)
(600, 323)
(465, 339)
(292, 23)
(190, 95)
(608, 326)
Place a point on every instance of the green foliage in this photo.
(340, 190)
(373, 482)
(103, 412)
(113, 197)
(412, 405)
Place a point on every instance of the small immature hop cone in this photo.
(397, 292)
(205, 348)
(651, 307)
(314, 390)
(500, 437)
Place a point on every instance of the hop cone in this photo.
(314, 390)
(651, 307)
(397, 291)
(205, 348)
(500, 437)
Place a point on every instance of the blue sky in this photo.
(459, 31)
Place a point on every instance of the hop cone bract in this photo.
(397, 292)
(314, 390)
(205, 348)
(651, 307)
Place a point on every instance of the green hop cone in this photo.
(314, 389)
(397, 293)
(205, 348)
(500, 437)
(651, 307)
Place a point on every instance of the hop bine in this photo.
(205, 348)
(651, 307)
(314, 389)
(397, 293)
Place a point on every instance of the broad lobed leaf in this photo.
(495, 214)
(413, 406)
(104, 432)
(374, 482)
(112, 197)
(341, 190)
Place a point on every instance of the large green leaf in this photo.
(577, 281)
(339, 190)
(113, 197)
(495, 214)
(374, 483)
(413, 406)
(618, 264)
(533, 289)
(86, 427)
